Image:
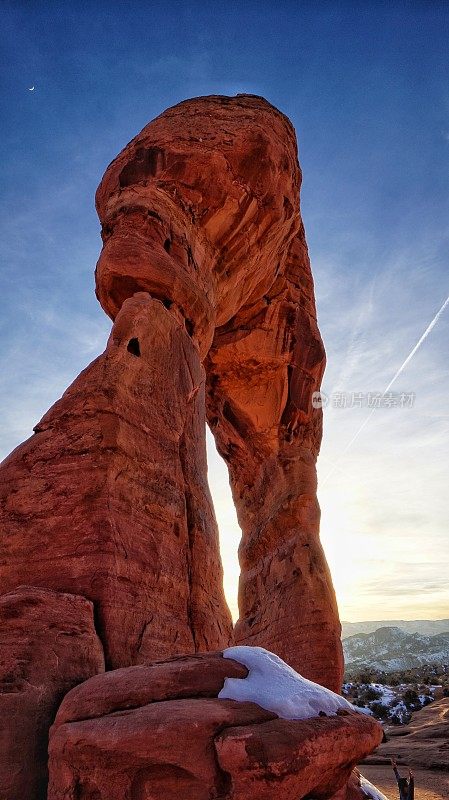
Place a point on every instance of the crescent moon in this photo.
(31, 88)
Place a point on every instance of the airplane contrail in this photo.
(418, 344)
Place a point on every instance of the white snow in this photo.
(364, 710)
(275, 686)
(386, 694)
(400, 711)
(371, 790)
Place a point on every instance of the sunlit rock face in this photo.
(109, 498)
(201, 210)
(205, 272)
(159, 731)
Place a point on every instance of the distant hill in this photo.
(428, 627)
(389, 649)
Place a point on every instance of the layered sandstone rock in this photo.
(180, 677)
(205, 271)
(109, 498)
(48, 644)
(158, 731)
(312, 757)
(201, 209)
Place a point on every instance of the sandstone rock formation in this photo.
(48, 644)
(199, 675)
(205, 272)
(158, 731)
(201, 209)
(109, 498)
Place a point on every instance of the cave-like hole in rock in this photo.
(228, 526)
(134, 347)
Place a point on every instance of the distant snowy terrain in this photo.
(391, 704)
(389, 649)
(427, 627)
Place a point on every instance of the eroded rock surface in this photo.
(201, 209)
(109, 498)
(309, 757)
(205, 272)
(159, 731)
(185, 676)
(48, 645)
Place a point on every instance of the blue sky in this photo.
(367, 87)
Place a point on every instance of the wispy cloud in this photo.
(386, 496)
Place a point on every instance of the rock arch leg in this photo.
(201, 210)
(109, 498)
(262, 369)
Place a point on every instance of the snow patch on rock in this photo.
(371, 790)
(275, 686)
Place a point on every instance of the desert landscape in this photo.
(225, 311)
(422, 745)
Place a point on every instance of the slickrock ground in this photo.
(424, 746)
(158, 730)
(422, 743)
(47, 645)
(429, 784)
